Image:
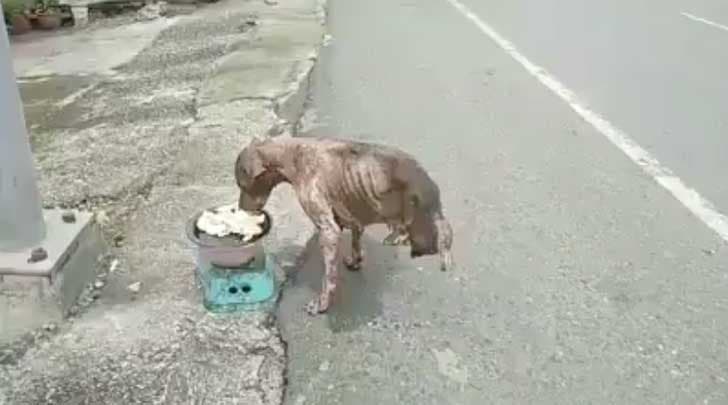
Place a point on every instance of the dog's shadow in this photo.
(358, 298)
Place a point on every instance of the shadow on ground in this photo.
(359, 295)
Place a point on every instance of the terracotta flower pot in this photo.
(49, 21)
(21, 24)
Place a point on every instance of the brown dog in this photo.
(343, 184)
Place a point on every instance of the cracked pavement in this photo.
(144, 145)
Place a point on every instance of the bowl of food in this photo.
(226, 236)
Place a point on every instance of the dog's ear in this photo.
(410, 204)
(255, 164)
(249, 164)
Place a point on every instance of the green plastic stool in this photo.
(246, 288)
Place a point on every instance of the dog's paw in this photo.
(402, 240)
(396, 239)
(316, 307)
(446, 262)
(353, 263)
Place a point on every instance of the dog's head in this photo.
(422, 231)
(255, 179)
(429, 232)
(429, 235)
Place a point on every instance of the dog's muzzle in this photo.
(419, 252)
(250, 203)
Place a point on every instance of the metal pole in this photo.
(21, 214)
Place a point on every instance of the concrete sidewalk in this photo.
(144, 145)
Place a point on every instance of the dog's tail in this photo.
(444, 243)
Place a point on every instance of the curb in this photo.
(291, 106)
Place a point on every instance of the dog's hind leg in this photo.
(398, 236)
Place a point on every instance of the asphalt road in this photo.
(580, 280)
(646, 66)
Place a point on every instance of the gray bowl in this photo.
(228, 252)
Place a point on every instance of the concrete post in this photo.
(80, 15)
(21, 215)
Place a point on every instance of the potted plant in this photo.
(47, 14)
(15, 14)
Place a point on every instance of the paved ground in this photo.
(580, 280)
(657, 74)
(144, 145)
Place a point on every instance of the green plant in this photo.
(11, 8)
(45, 7)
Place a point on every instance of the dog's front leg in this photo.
(329, 236)
(444, 243)
(353, 262)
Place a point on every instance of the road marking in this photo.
(704, 21)
(691, 199)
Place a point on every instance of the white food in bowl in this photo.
(230, 220)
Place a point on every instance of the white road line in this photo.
(691, 199)
(704, 21)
